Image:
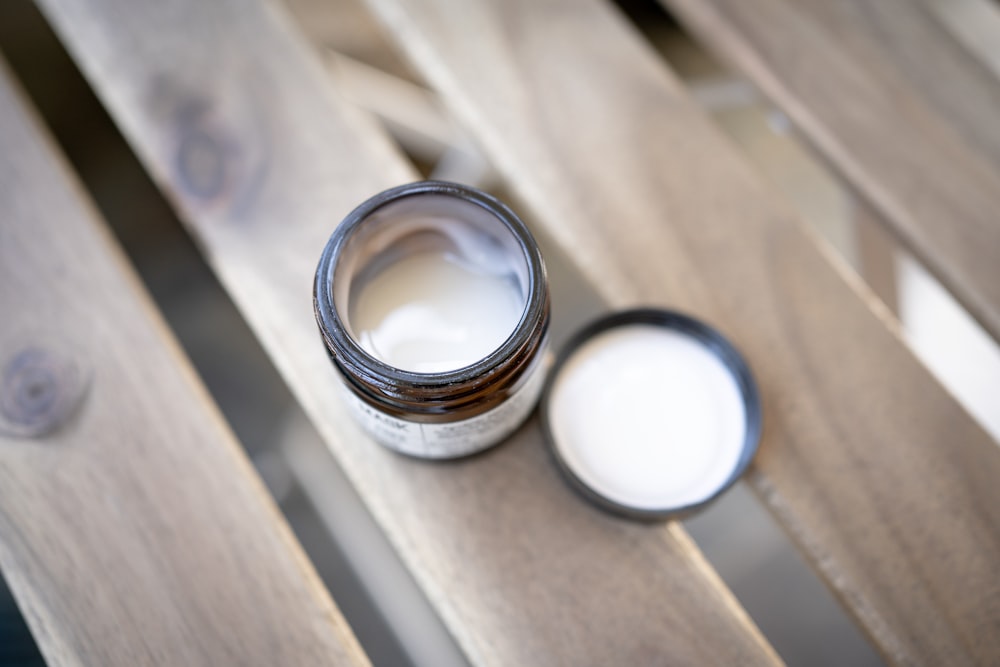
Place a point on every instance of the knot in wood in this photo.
(205, 152)
(40, 389)
(220, 154)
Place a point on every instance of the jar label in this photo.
(450, 439)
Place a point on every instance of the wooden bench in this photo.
(156, 544)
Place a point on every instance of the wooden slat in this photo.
(231, 114)
(899, 105)
(889, 487)
(975, 24)
(136, 532)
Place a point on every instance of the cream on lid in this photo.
(648, 417)
(437, 311)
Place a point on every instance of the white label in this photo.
(450, 439)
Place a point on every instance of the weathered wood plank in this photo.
(889, 487)
(975, 24)
(233, 117)
(136, 532)
(901, 107)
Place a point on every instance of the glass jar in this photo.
(433, 302)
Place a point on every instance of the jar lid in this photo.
(651, 413)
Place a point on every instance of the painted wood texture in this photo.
(133, 530)
(897, 103)
(232, 115)
(881, 478)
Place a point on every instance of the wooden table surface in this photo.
(884, 482)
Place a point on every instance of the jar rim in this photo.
(346, 351)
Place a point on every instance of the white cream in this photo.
(648, 417)
(436, 311)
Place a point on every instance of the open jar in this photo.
(433, 302)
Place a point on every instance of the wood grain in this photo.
(133, 530)
(232, 115)
(896, 103)
(886, 484)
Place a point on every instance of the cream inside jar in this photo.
(431, 285)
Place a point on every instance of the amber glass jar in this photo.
(492, 279)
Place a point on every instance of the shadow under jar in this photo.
(433, 303)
